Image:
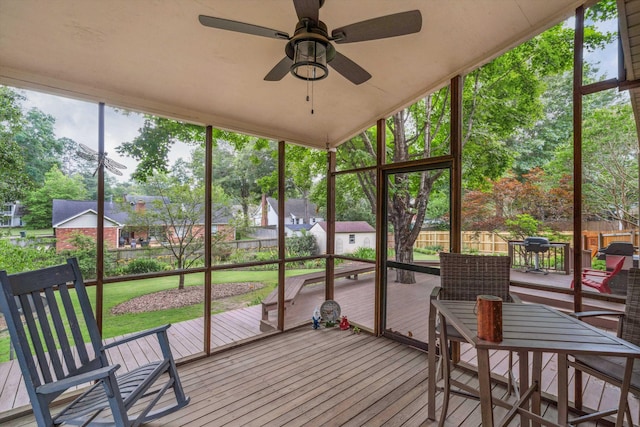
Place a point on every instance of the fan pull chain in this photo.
(312, 96)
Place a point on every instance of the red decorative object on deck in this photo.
(344, 323)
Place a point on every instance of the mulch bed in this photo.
(176, 298)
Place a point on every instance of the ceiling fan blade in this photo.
(241, 27)
(307, 9)
(394, 25)
(280, 70)
(349, 69)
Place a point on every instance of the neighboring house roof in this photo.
(221, 215)
(65, 210)
(350, 227)
(132, 198)
(295, 207)
(298, 227)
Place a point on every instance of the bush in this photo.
(302, 245)
(144, 265)
(364, 253)
(430, 250)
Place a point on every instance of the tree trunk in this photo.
(404, 254)
(181, 279)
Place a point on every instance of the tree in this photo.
(14, 181)
(41, 149)
(175, 218)
(499, 100)
(152, 146)
(56, 186)
(610, 165)
(240, 171)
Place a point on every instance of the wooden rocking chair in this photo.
(54, 358)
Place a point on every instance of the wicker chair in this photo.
(610, 368)
(464, 277)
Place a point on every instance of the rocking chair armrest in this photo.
(85, 377)
(592, 272)
(136, 336)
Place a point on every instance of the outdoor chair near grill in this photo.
(599, 279)
(609, 368)
(54, 358)
(536, 246)
(464, 277)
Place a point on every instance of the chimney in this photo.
(265, 218)
(140, 206)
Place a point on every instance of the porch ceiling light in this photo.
(310, 59)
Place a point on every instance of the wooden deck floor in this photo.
(310, 370)
(308, 377)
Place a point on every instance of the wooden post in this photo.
(281, 240)
(331, 223)
(381, 237)
(456, 172)
(208, 175)
(577, 180)
(100, 221)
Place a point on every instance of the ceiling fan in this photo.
(309, 50)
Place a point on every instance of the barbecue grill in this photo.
(536, 246)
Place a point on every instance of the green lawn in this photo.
(29, 233)
(117, 293)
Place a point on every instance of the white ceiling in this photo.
(154, 56)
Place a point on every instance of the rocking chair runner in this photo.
(53, 356)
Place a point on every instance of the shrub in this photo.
(302, 245)
(144, 265)
(364, 253)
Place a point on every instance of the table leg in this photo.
(563, 389)
(484, 378)
(624, 392)
(431, 394)
(536, 378)
(523, 381)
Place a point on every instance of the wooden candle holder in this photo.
(489, 312)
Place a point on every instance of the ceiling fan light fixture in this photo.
(310, 59)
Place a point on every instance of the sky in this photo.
(78, 120)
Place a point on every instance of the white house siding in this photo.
(87, 220)
(362, 240)
(321, 238)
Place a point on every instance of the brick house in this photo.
(80, 216)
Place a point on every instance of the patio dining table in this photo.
(529, 328)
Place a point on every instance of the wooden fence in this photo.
(482, 242)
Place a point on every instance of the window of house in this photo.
(352, 239)
(214, 229)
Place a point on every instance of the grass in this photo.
(15, 232)
(117, 293)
